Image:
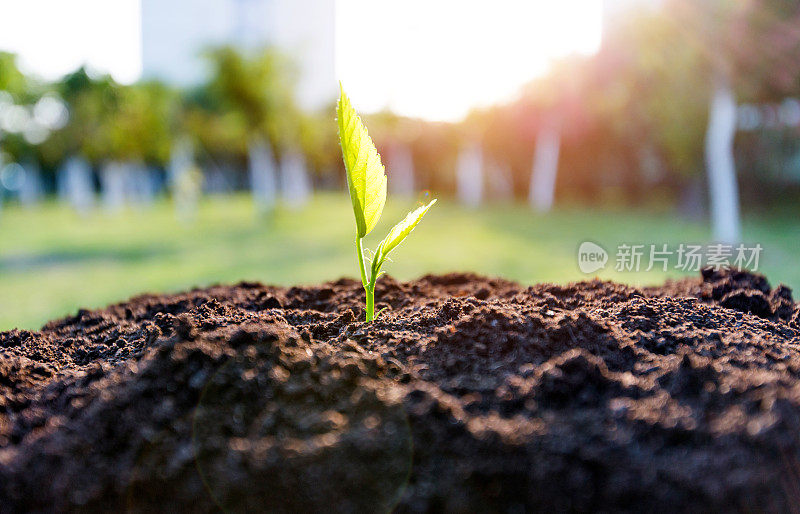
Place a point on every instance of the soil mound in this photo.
(467, 394)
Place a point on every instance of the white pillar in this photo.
(263, 178)
(30, 191)
(140, 187)
(720, 167)
(469, 175)
(400, 171)
(75, 185)
(295, 182)
(184, 180)
(112, 186)
(501, 186)
(181, 159)
(545, 168)
(2, 164)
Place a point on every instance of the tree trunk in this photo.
(75, 184)
(1, 191)
(295, 182)
(545, 168)
(30, 191)
(185, 180)
(263, 177)
(400, 170)
(112, 186)
(469, 175)
(723, 190)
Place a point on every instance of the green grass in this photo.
(53, 261)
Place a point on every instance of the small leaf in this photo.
(400, 231)
(366, 177)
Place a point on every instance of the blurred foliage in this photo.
(12, 79)
(109, 121)
(632, 117)
(248, 95)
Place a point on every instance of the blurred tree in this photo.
(247, 95)
(749, 49)
(527, 135)
(12, 80)
(22, 128)
(653, 88)
(138, 126)
(394, 136)
(90, 100)
(320, 143)
(559, 98)
(109, 121)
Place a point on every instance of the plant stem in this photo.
(369, 286)
(361, 268)
(370, 289)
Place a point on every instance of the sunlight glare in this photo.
(437, 58)
(54, 37)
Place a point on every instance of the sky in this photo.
(54, 37)
(437, 58)
(429, 58)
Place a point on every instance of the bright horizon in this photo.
(433, 59)
(55, 37)
(436, 60)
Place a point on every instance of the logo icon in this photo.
(591, 257)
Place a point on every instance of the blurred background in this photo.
(157, 145)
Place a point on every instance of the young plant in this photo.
(366, 180)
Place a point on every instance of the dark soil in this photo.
(468, 394)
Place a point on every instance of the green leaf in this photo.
(400, 231)
(366, 177)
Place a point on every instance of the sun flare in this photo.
(437, 58)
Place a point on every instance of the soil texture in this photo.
(466, 394)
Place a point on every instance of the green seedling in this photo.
(366, 180)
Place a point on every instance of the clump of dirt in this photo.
(467, 394)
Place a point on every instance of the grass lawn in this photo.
(53, 261)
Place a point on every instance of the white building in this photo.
(175, 33)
